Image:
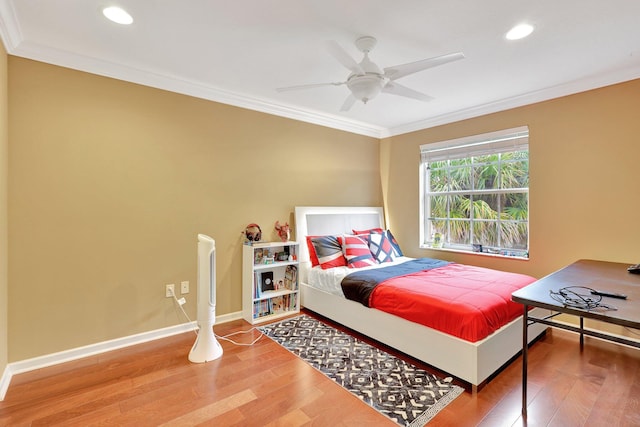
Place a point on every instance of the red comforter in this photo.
(465, 301)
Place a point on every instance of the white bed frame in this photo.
(472, 363)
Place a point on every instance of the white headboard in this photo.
(325, 220)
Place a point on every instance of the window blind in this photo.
(508, 140)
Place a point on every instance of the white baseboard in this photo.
(39, 362)
(5, 379)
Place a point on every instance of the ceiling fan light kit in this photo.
(367, 80)
(366, 87)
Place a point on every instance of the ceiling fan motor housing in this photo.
(367, 86)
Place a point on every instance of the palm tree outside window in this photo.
(475, 194)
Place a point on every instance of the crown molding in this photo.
(158, 80)
(558, 91)
(12, 37)
(10, 31)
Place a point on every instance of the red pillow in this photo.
(328, 251)
(369, 231)
(356, 251)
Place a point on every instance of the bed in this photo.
(474, 363)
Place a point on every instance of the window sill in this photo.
(467, 252)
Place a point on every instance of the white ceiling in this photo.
(239, 52)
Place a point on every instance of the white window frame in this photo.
(508, 140)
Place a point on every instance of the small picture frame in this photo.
(257, 256)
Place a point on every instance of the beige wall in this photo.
(4, 140)
(110, 182)
(584, 176)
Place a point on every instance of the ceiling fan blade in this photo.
(309, 86)
(348, 103)
(343, 57)
(394, 73)
(397, 89)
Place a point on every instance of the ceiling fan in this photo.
(366, 80)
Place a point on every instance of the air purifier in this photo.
(206, 347)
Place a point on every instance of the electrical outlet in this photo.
(184, 287)
(170, 290)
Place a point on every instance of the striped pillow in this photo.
(356, 251)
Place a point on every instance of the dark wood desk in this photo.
(599, 275)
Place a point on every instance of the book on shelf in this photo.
(276, 305)
(258, 286)
(261, 308)
(290, 277)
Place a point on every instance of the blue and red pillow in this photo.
(381, 247)
(396, 246)
(326, 251)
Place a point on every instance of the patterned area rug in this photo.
(408, 395)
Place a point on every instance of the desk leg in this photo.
(581, 333)
(525, 342)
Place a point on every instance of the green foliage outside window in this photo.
(481, 200)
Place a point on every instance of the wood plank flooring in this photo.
(264, 385)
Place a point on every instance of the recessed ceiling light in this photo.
(520, 31)
(117, 15)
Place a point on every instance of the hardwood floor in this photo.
(265, 385)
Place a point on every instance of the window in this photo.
(475, 193)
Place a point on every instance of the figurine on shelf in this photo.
(283, 231)
(252, 233)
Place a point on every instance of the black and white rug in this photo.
(406, 394)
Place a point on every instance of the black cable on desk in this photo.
(580, 297)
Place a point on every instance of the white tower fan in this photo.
(206, 347)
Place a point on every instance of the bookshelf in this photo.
(269, 281)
